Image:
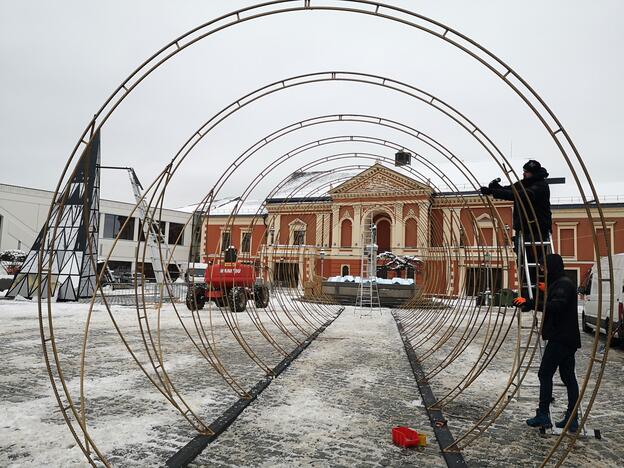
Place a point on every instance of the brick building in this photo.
(312, 226)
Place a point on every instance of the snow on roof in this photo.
(313, 183)
(225, 206)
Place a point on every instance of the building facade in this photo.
(23, 212)
(312, 228)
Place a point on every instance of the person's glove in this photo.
(524, 303)
(541, 286)
(485, 191)
(495, 184)
(519, 301)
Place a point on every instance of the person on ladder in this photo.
(560, 328)
(533, 194)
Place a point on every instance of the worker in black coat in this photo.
(560, 328)
(532, 191)
(531, 210)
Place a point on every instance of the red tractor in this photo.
(229, 283)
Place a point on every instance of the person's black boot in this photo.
(541, 419)
(573, 425)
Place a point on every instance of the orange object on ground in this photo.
(541, 286)
(407, 437)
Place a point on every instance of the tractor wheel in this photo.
(195, 299)
(238, 300)
(261, 296)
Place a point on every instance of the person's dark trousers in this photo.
(561, 356)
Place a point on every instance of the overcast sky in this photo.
(60, 60)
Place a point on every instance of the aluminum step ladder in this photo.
(528, 334)
(367, 299)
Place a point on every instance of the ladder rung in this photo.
(538, 243)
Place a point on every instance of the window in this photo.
(604, 241)
(176, 233)
(226, 240)
(297, 232)
(345, 270)
(346, 233)
(159, 233)
(411, 233)
(113, 227)
(463, 240)
(144, 272)
(121, 271)
(573, 275)
(486, 236)
(298, 237)
(246, 242)
(567, 242)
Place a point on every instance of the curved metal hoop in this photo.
(535, 103)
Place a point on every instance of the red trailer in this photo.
(229, 283)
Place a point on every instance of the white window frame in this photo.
(222, 230)
(297, 225)
(485, 222)
(242, 235)
(568, 225)
(611, 227)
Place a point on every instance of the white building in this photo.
(24, 210)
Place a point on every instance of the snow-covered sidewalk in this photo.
(334, 406)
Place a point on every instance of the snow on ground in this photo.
(335, 405)
(510, 442)
(129, 419)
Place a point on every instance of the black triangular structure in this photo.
(69, 260)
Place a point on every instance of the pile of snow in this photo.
(357, 279)
(12, 255)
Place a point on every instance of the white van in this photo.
(196, 272)
(590, 290)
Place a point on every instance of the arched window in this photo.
(411, 233)
(345, 233)
(383, 235)
(345, 270)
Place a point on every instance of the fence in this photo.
(149, 293)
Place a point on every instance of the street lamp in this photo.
(488, 264)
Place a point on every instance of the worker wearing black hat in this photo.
(531, 191)
(531, 211)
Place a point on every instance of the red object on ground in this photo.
(405, 437)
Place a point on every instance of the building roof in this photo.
(312, 185)
(225, 207)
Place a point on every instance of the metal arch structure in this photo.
(377, 9)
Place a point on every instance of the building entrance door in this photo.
(286, 274)
(477, 280)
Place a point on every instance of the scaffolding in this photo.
(368, 294)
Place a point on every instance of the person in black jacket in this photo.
(531, 210)
(531, 191)
(560, 328)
